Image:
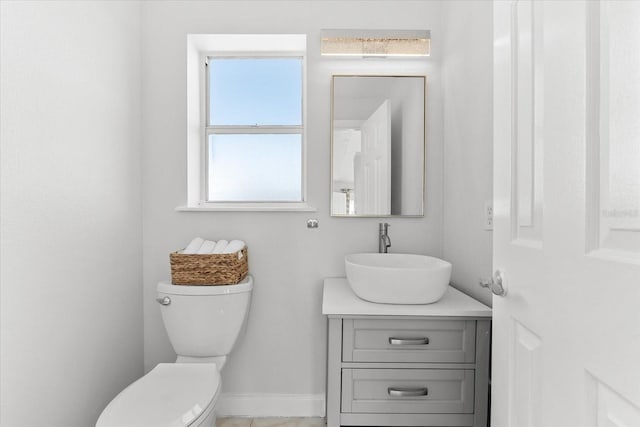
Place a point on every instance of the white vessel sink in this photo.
(397, 278)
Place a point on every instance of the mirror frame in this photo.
(424, 145)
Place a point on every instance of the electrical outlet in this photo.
(488, 216)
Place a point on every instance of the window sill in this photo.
(249, 207)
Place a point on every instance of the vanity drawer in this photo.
(419, 341)
(408, 391)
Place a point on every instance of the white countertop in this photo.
(339, 300)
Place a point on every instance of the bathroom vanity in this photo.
(406, 365)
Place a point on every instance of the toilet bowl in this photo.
(203, 324)
(171, 394)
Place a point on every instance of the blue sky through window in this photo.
(255, 91)
(255, 167)
(247, 92)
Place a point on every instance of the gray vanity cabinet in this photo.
(392, 367)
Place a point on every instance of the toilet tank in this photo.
(204, 321)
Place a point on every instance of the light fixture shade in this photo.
(376, 42)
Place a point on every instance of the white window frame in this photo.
(255, 129)
(199, 48)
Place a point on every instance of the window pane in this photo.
(255, 167)
(249, 91)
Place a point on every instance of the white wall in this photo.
(467, 75)
(70, 295)
(283, 351)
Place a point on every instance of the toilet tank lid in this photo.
(171, 394)
(246, 285)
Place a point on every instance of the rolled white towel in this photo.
(234, 246)
(220, 247)
(194, 246)
(207, 247)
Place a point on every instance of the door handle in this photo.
(407, 392)
(496, 283)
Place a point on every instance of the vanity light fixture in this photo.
(381, 43)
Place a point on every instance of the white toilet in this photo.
(203, 324)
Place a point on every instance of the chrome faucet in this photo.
(384, 242)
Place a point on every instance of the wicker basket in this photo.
(210, 269)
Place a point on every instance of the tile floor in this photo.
(271, 422)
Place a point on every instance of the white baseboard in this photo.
(270, 405)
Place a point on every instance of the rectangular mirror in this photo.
(377, 145)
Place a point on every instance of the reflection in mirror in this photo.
(378, 142)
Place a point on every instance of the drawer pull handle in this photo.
(407, 392)
(408, 341)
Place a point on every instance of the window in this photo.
(254, 130)
(245, 122)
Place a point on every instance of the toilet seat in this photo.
(170, 395)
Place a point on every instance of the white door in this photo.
(566, 336)
(372, 185)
